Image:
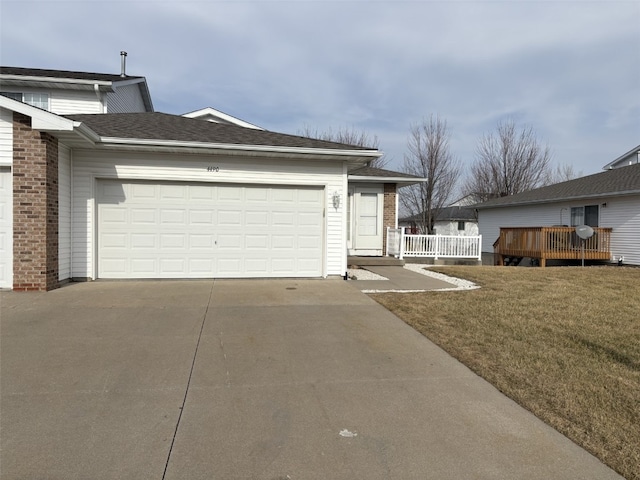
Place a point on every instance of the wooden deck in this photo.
(546, 243)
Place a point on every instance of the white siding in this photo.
(622, 214)
(64, 212)
(490, 220)
(6, 137)
(69, 102)
(125, 99)
(89, 165)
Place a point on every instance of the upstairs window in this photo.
(460, 225)
(40, 100)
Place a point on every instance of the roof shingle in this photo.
(166, 127)
(69, 75)
(619, 181)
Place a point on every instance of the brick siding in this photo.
(388, 212)
(35, 207)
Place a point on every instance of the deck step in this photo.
(374, 261)
(512, 261)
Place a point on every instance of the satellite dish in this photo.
(584, 231)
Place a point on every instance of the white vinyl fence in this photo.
(400, 245)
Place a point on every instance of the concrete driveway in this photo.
(274, 379)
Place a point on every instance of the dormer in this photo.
(65, 93)
(216, 116)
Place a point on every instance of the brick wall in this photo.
(35, 207)
(388, 211)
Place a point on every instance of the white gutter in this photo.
(372, 179)
(557, 200)
(26, 78)
(240, 147)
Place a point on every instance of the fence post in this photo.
(386, 250)
(437, 247)
(401, 245)
(480, 247)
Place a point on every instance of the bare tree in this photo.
(562, 173)
(429, 157)
(508, 161)
(349, 136)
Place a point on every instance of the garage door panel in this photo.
(114, 267)
(229, 218)
(309, 242)
(142, 191)
(175, 230)
(173, 192)
(197, 241)
(283, 219)
(144, 267)
(173, 217)
(175, 241)
(114, 215)
(112, 241)
(228, 242)
(144, 241)
(230, 194)
(144, 216)
(256, 242)
(257, 195)
(201, 216)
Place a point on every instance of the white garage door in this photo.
(195, 230)
(6, 228)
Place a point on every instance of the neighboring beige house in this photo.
(94, 184)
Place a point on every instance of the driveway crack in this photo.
(186, 391)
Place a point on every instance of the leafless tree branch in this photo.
(429, 157)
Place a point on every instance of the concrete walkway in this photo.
(274, 379)
(399, 279)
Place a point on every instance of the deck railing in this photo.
(547, 243)
(402, 245)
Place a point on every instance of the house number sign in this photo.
(213, 169)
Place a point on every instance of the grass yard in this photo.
(563, 342)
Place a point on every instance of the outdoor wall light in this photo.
(336, 200)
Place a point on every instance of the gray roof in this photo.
(69, 75)
(166, 127)
(380, 172)
(619, 181)
(451, 214)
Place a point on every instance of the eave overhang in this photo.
(52, 82)
(558, 200)
(271, 151)
(399, 181)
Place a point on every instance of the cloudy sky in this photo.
(569, 69)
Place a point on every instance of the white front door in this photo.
(6, 228)
(367, 216)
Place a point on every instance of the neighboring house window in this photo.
(460, 225)
(587, 215)
(40, 100)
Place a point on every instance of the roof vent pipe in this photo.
(123, 64)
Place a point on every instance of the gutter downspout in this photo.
(96, 89)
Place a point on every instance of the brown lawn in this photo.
(563, 342)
